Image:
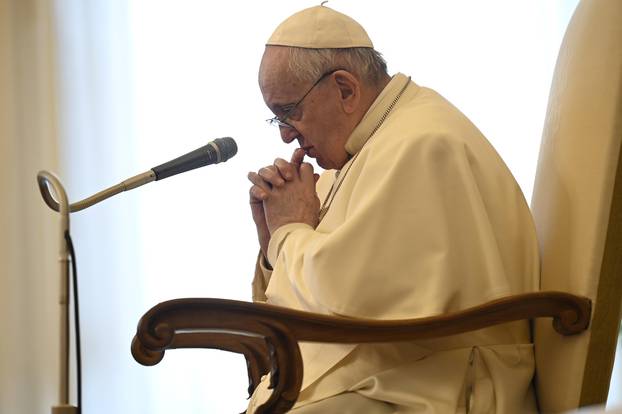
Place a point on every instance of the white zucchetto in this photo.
(320, 27)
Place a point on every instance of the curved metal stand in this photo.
(55, 197)
(43, 178)
(46, 180)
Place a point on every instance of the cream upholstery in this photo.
(578, 214)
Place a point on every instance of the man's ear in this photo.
(349, 90)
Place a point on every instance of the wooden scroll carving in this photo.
(268, 335)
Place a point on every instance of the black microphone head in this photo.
(227, 148)
(218, 150)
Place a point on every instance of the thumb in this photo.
(306, 173)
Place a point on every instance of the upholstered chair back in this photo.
(577, 206)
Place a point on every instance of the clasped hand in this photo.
(283, 193)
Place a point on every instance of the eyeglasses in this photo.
(282, 121)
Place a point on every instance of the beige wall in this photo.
(28, 230)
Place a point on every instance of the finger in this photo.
(287, 170)
(256, 179)
(271, 175)
(306, 173)
(257, 194)
(316, 177)
(298, 156)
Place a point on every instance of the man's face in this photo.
(316, 122)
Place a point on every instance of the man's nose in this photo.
(288, 134)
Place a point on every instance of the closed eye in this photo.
(286, 108)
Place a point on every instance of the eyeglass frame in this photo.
(281, 121)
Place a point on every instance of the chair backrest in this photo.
(577, 206)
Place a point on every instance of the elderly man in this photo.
(416, 215)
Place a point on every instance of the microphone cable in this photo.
(76, 315)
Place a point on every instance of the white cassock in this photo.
(424, 219)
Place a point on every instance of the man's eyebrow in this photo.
(283, 108)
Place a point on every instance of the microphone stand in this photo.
(46, 180)
(219, 150)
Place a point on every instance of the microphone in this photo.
(218, 150)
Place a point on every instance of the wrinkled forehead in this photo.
(277, 83)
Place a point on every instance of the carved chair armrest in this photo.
(255, 349)
(268, 335)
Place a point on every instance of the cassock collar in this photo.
(377, 113)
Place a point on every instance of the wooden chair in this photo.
(577, 206)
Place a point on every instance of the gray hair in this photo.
(309, 64)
